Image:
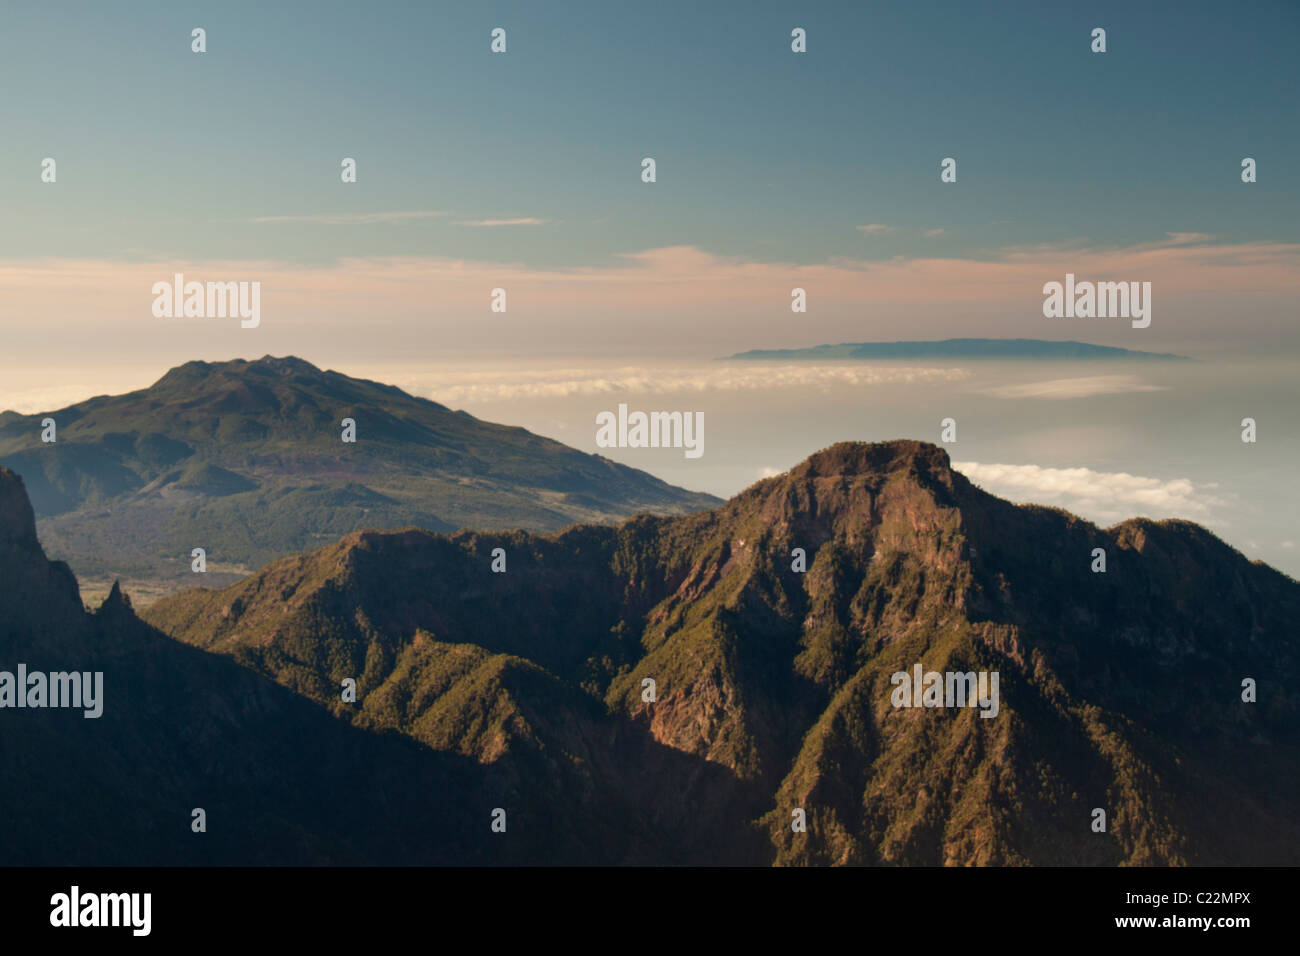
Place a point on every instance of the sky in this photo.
(775, 170)
(522, 170)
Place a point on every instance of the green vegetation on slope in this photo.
(772, 687)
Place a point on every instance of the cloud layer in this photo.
(1084, 387)
(473, 388)
(681, 296)
(1102, 496)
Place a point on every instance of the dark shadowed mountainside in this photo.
(1120, 691)
(281, 779)
(246, 460)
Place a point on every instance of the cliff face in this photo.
(37, 596)
(280, 781)
(771, 627)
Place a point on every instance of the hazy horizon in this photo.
(1107, 440)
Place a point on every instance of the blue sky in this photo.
(761, 153)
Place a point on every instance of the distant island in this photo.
(953, 348)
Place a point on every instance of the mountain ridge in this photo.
(1114, 687)
(246, 460)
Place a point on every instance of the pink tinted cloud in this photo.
(684, 291)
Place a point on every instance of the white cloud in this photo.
(529, 221)
(356, 218)
(876, 227)
(1085, 387)
(767, 471)
(458, 389)
(931, 233)
(1102, 496)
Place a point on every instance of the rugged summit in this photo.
(1120, 691)
(246, 460)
